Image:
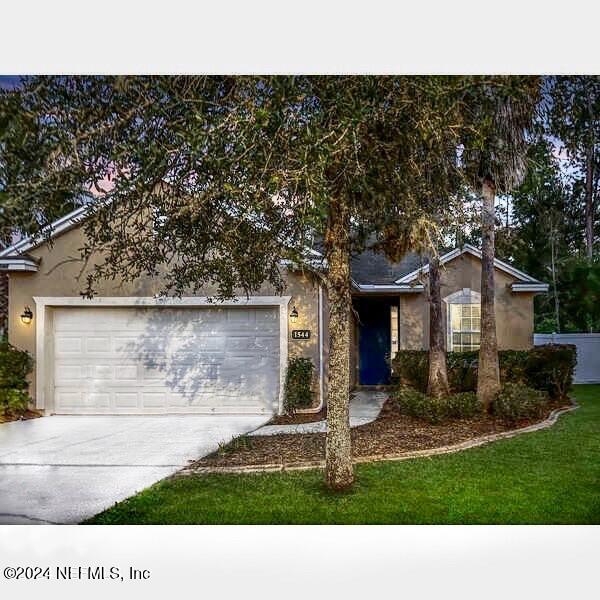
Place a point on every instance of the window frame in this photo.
(461, 297)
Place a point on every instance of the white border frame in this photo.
(43, 335)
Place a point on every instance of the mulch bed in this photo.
(299, 418)
(390, 433)
(29, 414)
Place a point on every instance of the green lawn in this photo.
(551, 476)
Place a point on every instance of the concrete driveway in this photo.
(64, 469)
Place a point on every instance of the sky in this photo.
(9, 82)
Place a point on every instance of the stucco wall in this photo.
(514, 312)
(60, 274)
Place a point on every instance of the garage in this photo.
(161, 360)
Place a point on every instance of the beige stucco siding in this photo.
(514, 312)
(60, 274)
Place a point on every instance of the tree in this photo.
(496, 160)
(574, 118)
(216, 179)
(437, 382)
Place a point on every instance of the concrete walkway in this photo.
(64, 469)
(365, 407)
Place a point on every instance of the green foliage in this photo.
(298, 384)
(15, 365)
(411, 367)
(517, 401)
(463, 405)
(551, 368)
(462, 370)
(579, 291)
(414, 403)
(384, 147)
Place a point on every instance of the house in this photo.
(128, 351)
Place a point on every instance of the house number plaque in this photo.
(300, 334)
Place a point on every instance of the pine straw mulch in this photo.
(390, 433)
(28, 414)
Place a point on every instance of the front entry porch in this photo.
(376, 338)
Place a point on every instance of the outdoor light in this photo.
(294, 315)
(27, 316)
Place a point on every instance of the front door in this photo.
(374, 340)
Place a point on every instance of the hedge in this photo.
(15, 365)
(517, 401)
(549, 368)
(414, 403)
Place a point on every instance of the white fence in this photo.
(588, 352)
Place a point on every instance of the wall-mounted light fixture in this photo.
(294, 315)
(26, 316)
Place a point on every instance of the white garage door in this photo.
(166, 360)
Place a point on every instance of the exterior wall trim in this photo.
(18, 264)
(529, 287)
(43, 334)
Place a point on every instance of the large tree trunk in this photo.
(437, 385)
(488, 374)
(338, 452)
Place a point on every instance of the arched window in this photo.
(463, 319)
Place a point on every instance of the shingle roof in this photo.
(371, 267)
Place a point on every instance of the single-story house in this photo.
(128, 351)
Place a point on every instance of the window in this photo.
(394, 330)
(463, 319)
(465, 324)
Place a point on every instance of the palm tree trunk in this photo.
(437, 385)
(554, 284)
(3, 304)
(488, 373)
(338, 452)
(589, 204)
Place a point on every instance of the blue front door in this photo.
(373, 340)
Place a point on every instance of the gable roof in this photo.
(59, 226)
(468, 249)
(370, 271)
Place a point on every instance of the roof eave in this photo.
(19, 263)
(536, 288)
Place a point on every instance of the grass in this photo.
(551, 476)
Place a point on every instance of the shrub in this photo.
(462, 371)
(551, 368)
(517, 401)
(298, 384)
(463, 405)
(15, 365)
(411, 368)
(512, 365)
(414, 403)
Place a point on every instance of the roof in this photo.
(370, 271)
(374, 268)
